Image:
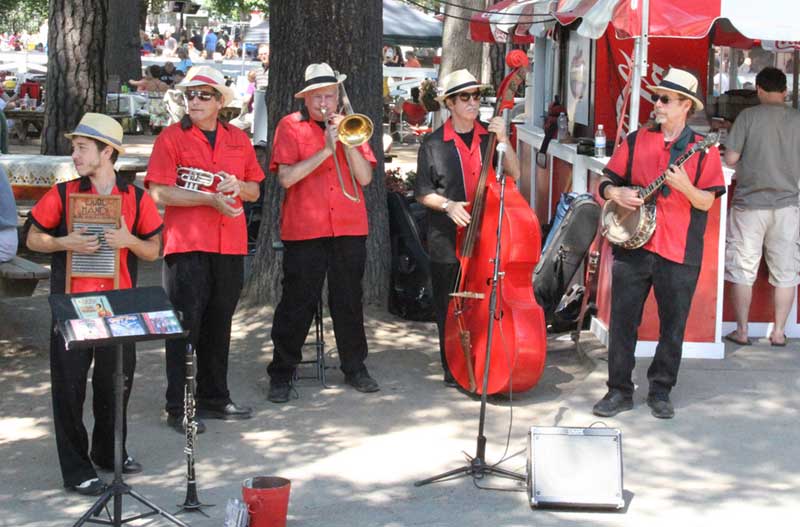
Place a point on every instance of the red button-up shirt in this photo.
(203, 228)
(49, 212)
(679, 226)
(316, 207)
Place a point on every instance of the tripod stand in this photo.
(477, 467)
(118, 487)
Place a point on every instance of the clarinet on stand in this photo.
(191, 503)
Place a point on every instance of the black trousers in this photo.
(205, 287)
(443, 282)
(68, 374)
(673, 284)
(306, 263)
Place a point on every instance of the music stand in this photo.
(122, 302)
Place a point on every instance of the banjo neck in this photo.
(651, 189)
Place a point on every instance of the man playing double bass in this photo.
(669, 262)
(448, 168)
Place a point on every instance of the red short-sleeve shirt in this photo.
(50, 211)
(679, 226)
(316, 207)
(202, 228)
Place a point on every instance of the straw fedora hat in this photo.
(683, 83)
(319, 76)
(207, 76)
(458, 81)
(100, 127)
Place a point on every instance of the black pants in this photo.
(305, 265)
(205, 287)
(68, 374)
(634, 273)
(443, 282)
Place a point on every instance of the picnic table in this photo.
(23, 119)
(32, 175)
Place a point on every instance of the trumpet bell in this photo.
(355, 129)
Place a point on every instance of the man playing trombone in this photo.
(201, 171)
(324, 231)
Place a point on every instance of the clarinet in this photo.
(190, 426)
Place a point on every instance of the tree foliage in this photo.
(239, 9)
(19, 15)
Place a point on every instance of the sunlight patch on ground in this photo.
(22, 428)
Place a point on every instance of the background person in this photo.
(8, 219)
(764, 144)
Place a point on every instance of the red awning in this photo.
(746, 20)
(508, 17)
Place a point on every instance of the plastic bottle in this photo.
(600, 142)
(563, 126)
(26, 102)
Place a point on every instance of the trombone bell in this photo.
(355, 129)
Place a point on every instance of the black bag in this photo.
(410, 292)
(564, 254)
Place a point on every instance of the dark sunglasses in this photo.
(200, 94)
(475, 96)
(663, 98)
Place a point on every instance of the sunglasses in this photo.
(200, 94)
(475, 96)
(663, 98)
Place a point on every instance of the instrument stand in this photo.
(125, 301)
(118, 488)
(477, 467)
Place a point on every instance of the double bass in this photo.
(518, 331)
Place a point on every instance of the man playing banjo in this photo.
(669, 262)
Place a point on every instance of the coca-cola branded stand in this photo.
(592, 53)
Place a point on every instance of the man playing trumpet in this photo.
(324, 232)
(205, 239)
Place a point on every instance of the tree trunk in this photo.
(347, 34)
(123, 58)
(458, 51)
(76, 72)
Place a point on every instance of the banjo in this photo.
(630, 229)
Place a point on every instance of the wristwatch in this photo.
(445, 205)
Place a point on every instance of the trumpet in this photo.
(354, 129)
(198, 180)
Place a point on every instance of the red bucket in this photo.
(267, 499)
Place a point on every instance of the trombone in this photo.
(354, 129)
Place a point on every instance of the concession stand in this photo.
(602, 58)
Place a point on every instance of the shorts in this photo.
(776, 232)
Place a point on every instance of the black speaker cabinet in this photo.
(575, 467)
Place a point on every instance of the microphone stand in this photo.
(477, 466)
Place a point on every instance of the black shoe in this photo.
(279, 391)
(362, 382)
(228, 412)
(176, 423)
(660, 406)
(613, 403)
(90, 487)
(129, 466)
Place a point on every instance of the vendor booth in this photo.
(601, 58)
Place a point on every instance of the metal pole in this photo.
(640, 67)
